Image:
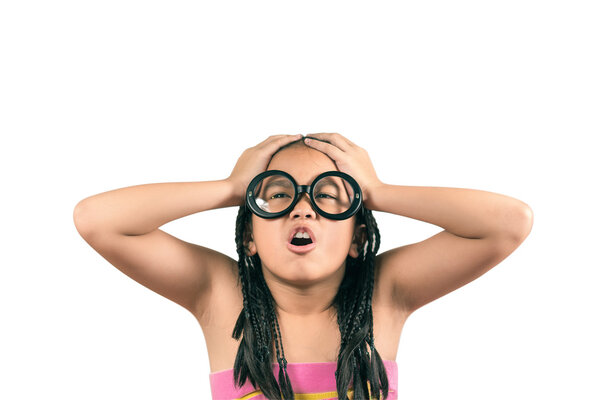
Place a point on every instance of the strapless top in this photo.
(310, 381)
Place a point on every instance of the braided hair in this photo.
(258, 322)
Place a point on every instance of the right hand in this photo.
(255, 160)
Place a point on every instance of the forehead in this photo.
(303, 163)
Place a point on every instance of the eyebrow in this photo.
(288, 183)
(278, 182)
(330, 181)
(284, 182)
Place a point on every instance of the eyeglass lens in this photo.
(332, 194)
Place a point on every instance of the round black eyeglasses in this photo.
(333, 194)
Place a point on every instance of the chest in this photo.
(304, 340)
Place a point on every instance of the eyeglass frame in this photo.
(355, 206)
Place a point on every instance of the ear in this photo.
(249, 245)
(251, 248)
(358, 240)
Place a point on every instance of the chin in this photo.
(307, 274)
(304, 272)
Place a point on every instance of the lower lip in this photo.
(301, 249)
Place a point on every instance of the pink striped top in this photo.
(310, 381)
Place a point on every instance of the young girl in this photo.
(308, 311)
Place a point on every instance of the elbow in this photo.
(523, 223)
(81, 219)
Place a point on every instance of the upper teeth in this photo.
(302, 235)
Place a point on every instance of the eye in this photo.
(278, 194)
(323, 194)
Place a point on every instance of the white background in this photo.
(497, 96)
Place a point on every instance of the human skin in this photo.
(303, 284)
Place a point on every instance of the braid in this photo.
(284, 379)
(257, 321)
(353, 302)
(356, 322)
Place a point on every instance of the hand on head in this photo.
(255, 160)
(348, 158)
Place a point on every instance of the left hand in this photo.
(349, 158)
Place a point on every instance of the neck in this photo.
(304, 301)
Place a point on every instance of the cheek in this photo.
(268, 240)
(337, 243)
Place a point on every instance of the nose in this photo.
(303, 208)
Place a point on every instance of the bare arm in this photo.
(136, 210)
(122, 226)
(480, 229)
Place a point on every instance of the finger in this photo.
(276, 137)
(334, 138)
(331, 150)
(279, 140)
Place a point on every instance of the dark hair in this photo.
(260, 327)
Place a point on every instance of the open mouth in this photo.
(301, 241)
(301, 249)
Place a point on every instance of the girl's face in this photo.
(333, 239)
